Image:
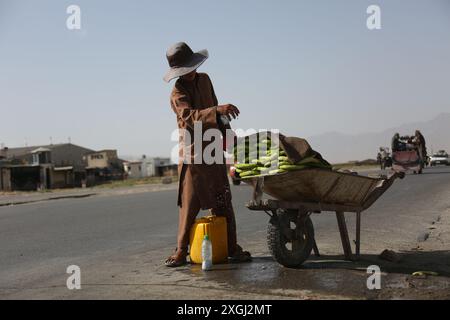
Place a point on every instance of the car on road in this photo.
(441, 157)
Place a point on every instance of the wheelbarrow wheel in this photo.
(290, 239)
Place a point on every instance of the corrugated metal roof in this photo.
(40, 149)
(21, 151)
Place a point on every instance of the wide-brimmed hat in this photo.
(182, 60)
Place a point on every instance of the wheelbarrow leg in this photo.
(358, 234)
(258, 191)
(344, 235)
(316, 249)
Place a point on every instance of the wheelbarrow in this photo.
(298, 194)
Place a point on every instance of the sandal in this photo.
(240, 256)
(178, 259)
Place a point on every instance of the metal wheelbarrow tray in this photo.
(298, 194)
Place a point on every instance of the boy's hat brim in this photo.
(194, 61)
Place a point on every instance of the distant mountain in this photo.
(337, 147)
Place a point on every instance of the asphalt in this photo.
(121, 240)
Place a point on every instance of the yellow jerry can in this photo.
(216, 228)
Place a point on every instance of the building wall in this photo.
(69, 155)
(136, 170)
(101, 159)
(104, 166)
(5, 179)
(26, 178)
(61, 155)
(97, 160)
(62, 179)
(150, 166)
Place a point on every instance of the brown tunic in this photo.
(196, 101)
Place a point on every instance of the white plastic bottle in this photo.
(206, 253)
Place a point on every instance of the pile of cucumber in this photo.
(263, 159)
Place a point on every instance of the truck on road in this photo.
(406, 155)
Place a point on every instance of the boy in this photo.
(201, 186)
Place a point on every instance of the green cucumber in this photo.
(257, 162)
(248, 173)
(277, 171)
(246, 166)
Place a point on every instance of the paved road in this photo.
(123, 239)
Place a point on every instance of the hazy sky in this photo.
(304, 67)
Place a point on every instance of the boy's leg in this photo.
(187, 214)
(190, 207)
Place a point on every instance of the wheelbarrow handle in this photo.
(396, 175)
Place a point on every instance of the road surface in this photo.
(120, 242)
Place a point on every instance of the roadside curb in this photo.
(74, 196)
(101, 192)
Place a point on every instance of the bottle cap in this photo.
(206, 237)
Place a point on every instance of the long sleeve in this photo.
(188, 114)
(222, 127)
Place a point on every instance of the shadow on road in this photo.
(331, 275)
(408, 262)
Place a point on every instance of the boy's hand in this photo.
(228, 110)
